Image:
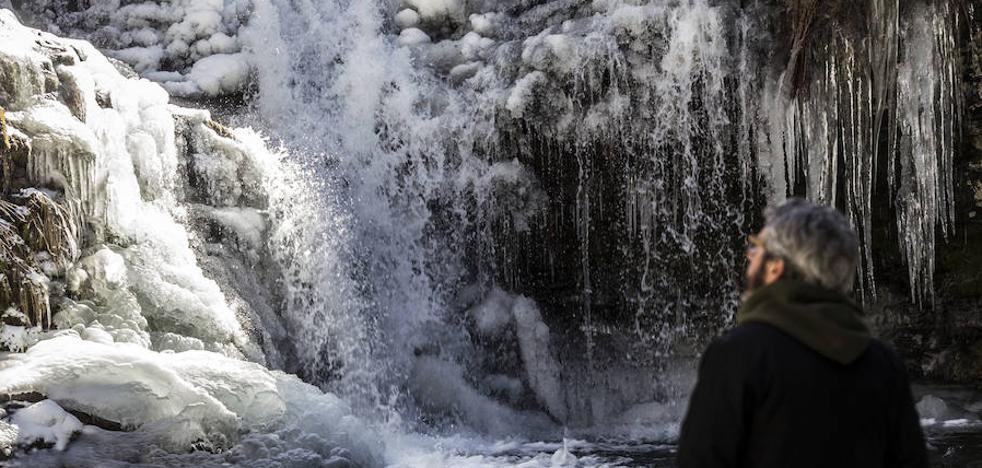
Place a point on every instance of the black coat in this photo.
(765, 400)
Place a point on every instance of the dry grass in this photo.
(220, 129)
(39, 225)
(5, 154)
(21, 284)
(49, 227)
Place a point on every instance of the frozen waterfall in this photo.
(498, 218)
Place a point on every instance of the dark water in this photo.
(948, 449)
(956, 450)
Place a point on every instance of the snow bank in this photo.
(181, 397)
(178, 400)
(133, 386)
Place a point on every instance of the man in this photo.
(799, 382)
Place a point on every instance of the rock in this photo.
(71, 93)
(4, 137)
(14, 317)
(50, 227)
(123, 68)
(21, 284)
(5, 156)
(45, 422)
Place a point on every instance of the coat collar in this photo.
(826, 321)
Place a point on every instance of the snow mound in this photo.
(8, 436)
(180, 399)
(220, 74)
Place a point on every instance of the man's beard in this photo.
(754, 279)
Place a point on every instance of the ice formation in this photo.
(866, 99)
(176, 401)
(141, 337)
(501, 314)
(119, 166)
(191, 47)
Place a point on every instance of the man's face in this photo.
(756, 260)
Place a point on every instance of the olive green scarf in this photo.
(821, 319)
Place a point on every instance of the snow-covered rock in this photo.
(171, 400)
(46, 422)
(190, 46)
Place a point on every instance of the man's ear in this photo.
(773, 270)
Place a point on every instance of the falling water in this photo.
(637, 134)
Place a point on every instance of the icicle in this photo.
(928, 108)
(868, 93)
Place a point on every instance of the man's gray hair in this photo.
(816, 241)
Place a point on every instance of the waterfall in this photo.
(644, 136)
(584, 168)
(632, 108)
